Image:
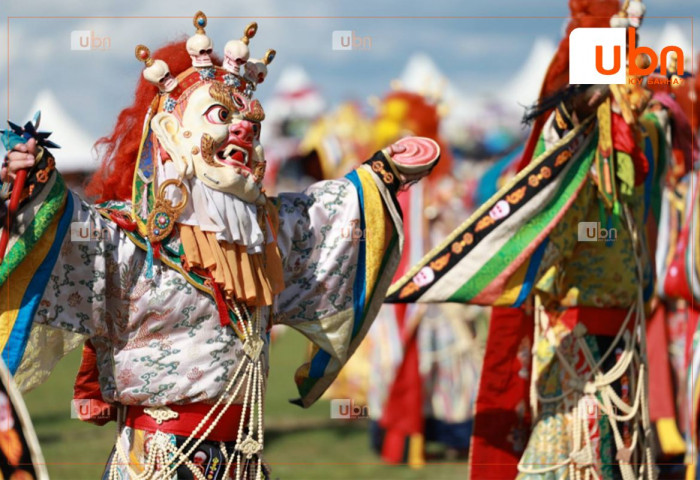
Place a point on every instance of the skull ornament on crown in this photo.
(255, 70)
(205, 121)
(158, 73)
(199, 46)
(236, 52)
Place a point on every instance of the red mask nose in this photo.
(242, 132)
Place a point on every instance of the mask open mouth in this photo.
(233, 156)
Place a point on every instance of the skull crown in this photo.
(199, 46)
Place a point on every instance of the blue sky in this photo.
(475, 54)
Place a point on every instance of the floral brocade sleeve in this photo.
(340, 242)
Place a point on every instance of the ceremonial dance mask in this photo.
(206, 120)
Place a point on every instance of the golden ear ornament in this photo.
(162, 218)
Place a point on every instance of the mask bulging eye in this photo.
(217, 114)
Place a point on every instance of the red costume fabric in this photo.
(502, 420)
(662, 402)
(403, 412)
(87, 397)
(402, 416)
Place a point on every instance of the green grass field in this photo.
(299, 444)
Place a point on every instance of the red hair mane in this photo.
(113, 180)
(586, 14)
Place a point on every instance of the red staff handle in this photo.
(20, 178)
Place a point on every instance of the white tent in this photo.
(295, 95)
(422, 75)
(75, 154)
(524, 87)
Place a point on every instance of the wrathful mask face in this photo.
(214, 134)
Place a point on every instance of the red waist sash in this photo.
(189, 416)
(598, 321)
